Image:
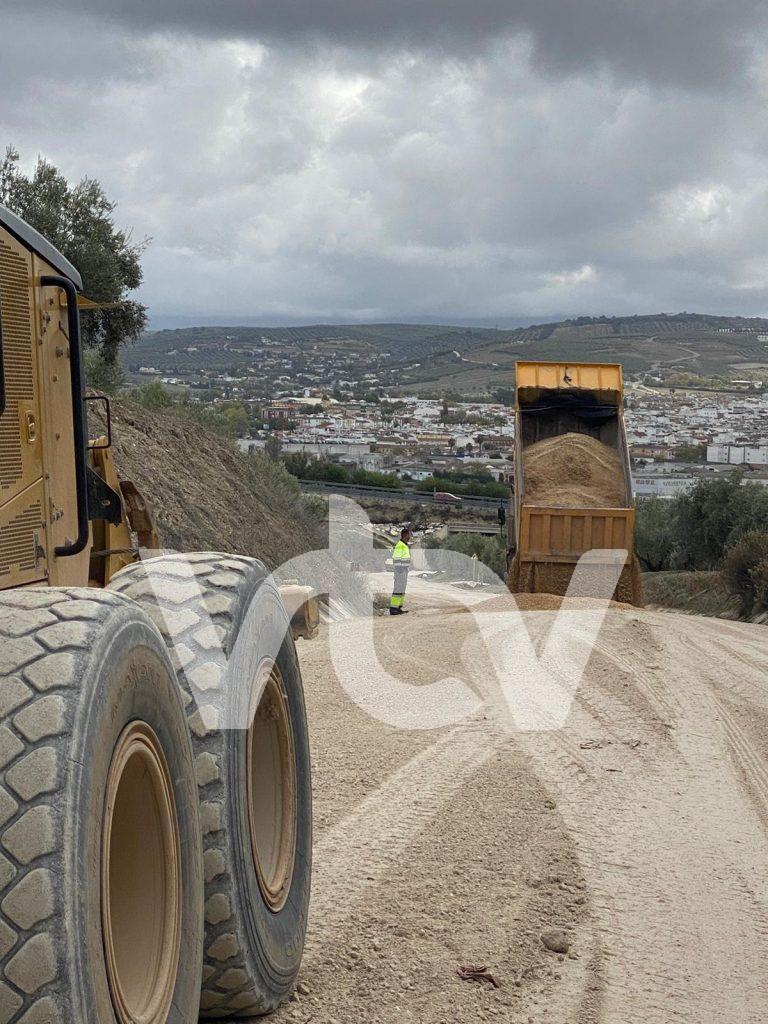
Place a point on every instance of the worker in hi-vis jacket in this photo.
(401, 558)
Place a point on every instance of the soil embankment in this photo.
(208, 496)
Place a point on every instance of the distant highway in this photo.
(393, 494)
(486, 529)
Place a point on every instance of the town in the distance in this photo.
(429, 409)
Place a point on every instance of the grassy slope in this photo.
(698, 593)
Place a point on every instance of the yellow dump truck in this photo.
(572, 489)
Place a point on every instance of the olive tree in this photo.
(79, 221)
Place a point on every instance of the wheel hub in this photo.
(140, 879)
(272, 789)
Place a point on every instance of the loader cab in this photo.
(44, 527)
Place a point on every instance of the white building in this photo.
(738, 454)
(661, 487)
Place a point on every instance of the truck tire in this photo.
(520, 578)
(629, 589)
(554, 578)
(513, 575)
(254, 783)
(101, 916)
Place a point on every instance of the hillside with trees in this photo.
(707, 548)
(472, 360)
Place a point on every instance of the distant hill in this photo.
(231, 346)
(470, 358)
(661, 343)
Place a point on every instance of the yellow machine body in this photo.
(42, 500)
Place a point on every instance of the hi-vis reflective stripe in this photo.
(401, 553)
(396, 601)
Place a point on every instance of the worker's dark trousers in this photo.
(398, 590)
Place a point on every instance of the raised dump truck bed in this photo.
(574, 494)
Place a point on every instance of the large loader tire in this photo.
(254, 782)
(101, 916)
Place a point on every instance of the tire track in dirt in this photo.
(659, 839)
(726, 690)
(670, 838)
(356, 854)
(658, 892)
(379, 847)
(748, 758)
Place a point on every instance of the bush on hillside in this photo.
(102, 374)
(275, 477)
(654, 533)
(229, 419)
(489, 550)
(316, 507)
(760, 579)
(699, 593)
(304, 467)
(694, 530)
(712, 516)
(745, 572)
(154, 396)
(370, 478)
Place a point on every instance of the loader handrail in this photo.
(78, 414)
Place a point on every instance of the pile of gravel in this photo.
(573, 471)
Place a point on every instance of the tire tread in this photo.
(230, 982)
(44, 637)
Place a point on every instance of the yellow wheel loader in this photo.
(153, 864)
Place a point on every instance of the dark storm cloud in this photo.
(689, 42)
(376, 161)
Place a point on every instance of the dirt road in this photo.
(638, 830)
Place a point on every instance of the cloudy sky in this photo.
(405, 159)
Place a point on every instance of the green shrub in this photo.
(489, 550)
(655, 533)
(154, 396)
(325, 470)
(103, 375)
(760, 579)
(275, 478)
(745, 572)
(227, 420)
(712, 516)
(370, 478)
(315, 506)
(306, 468)
(298, 464)
(481, 485)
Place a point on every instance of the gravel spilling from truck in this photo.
(573, 471)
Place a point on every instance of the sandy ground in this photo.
(638, 829)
